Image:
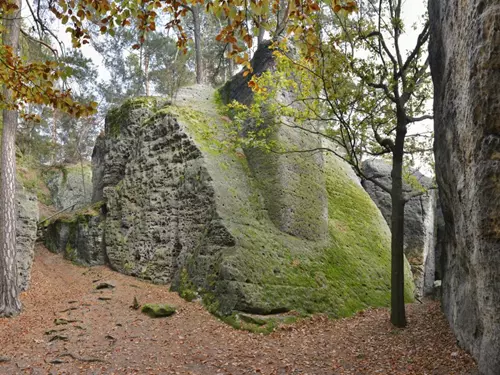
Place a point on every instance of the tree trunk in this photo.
(146, 74)
(54, 136)
(9, 290)
(196, 9)
(398, 316)
(230, 50)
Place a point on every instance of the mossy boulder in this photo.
(158, 310)
(181, 209)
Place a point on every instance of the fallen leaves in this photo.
(195, 342)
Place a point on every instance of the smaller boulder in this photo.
(158, 310)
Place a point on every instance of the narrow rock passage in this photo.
(70, 327)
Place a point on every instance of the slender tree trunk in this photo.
(196, 9)
(398, 316)
(54, 135)
(9, 290)
(146, 74)
(230, 60)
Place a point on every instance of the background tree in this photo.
(9, 301)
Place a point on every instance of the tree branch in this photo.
(40, 42)
(414, 194)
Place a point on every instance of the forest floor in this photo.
(104, 335)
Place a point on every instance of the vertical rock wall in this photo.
(465, 62)
(26, 228)
(79, 238)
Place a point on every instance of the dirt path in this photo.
(106, 336)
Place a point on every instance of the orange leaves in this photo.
(256, 88)
(7, 6)
(343, 5)
(248, 40)
(34, 83)
(242, 15)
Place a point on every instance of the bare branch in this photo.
(54, 52)
(421, 40)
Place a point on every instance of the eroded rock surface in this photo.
(420, 222)
(465, 62)
(292, 184)
(26, 228)
(79, 238)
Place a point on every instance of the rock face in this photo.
(465, 62)
(178, 209)
(27, 218)
(420, 223)
(71, 185)
(293, 185)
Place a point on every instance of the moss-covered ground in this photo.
(158, 310)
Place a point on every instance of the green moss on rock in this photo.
(158, 310)
(117, 117)
(266, 270)
(269, 271)
(186, 288)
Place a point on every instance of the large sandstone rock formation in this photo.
(178, 209)
(465, 62)
(420, 222)
(26, 228)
